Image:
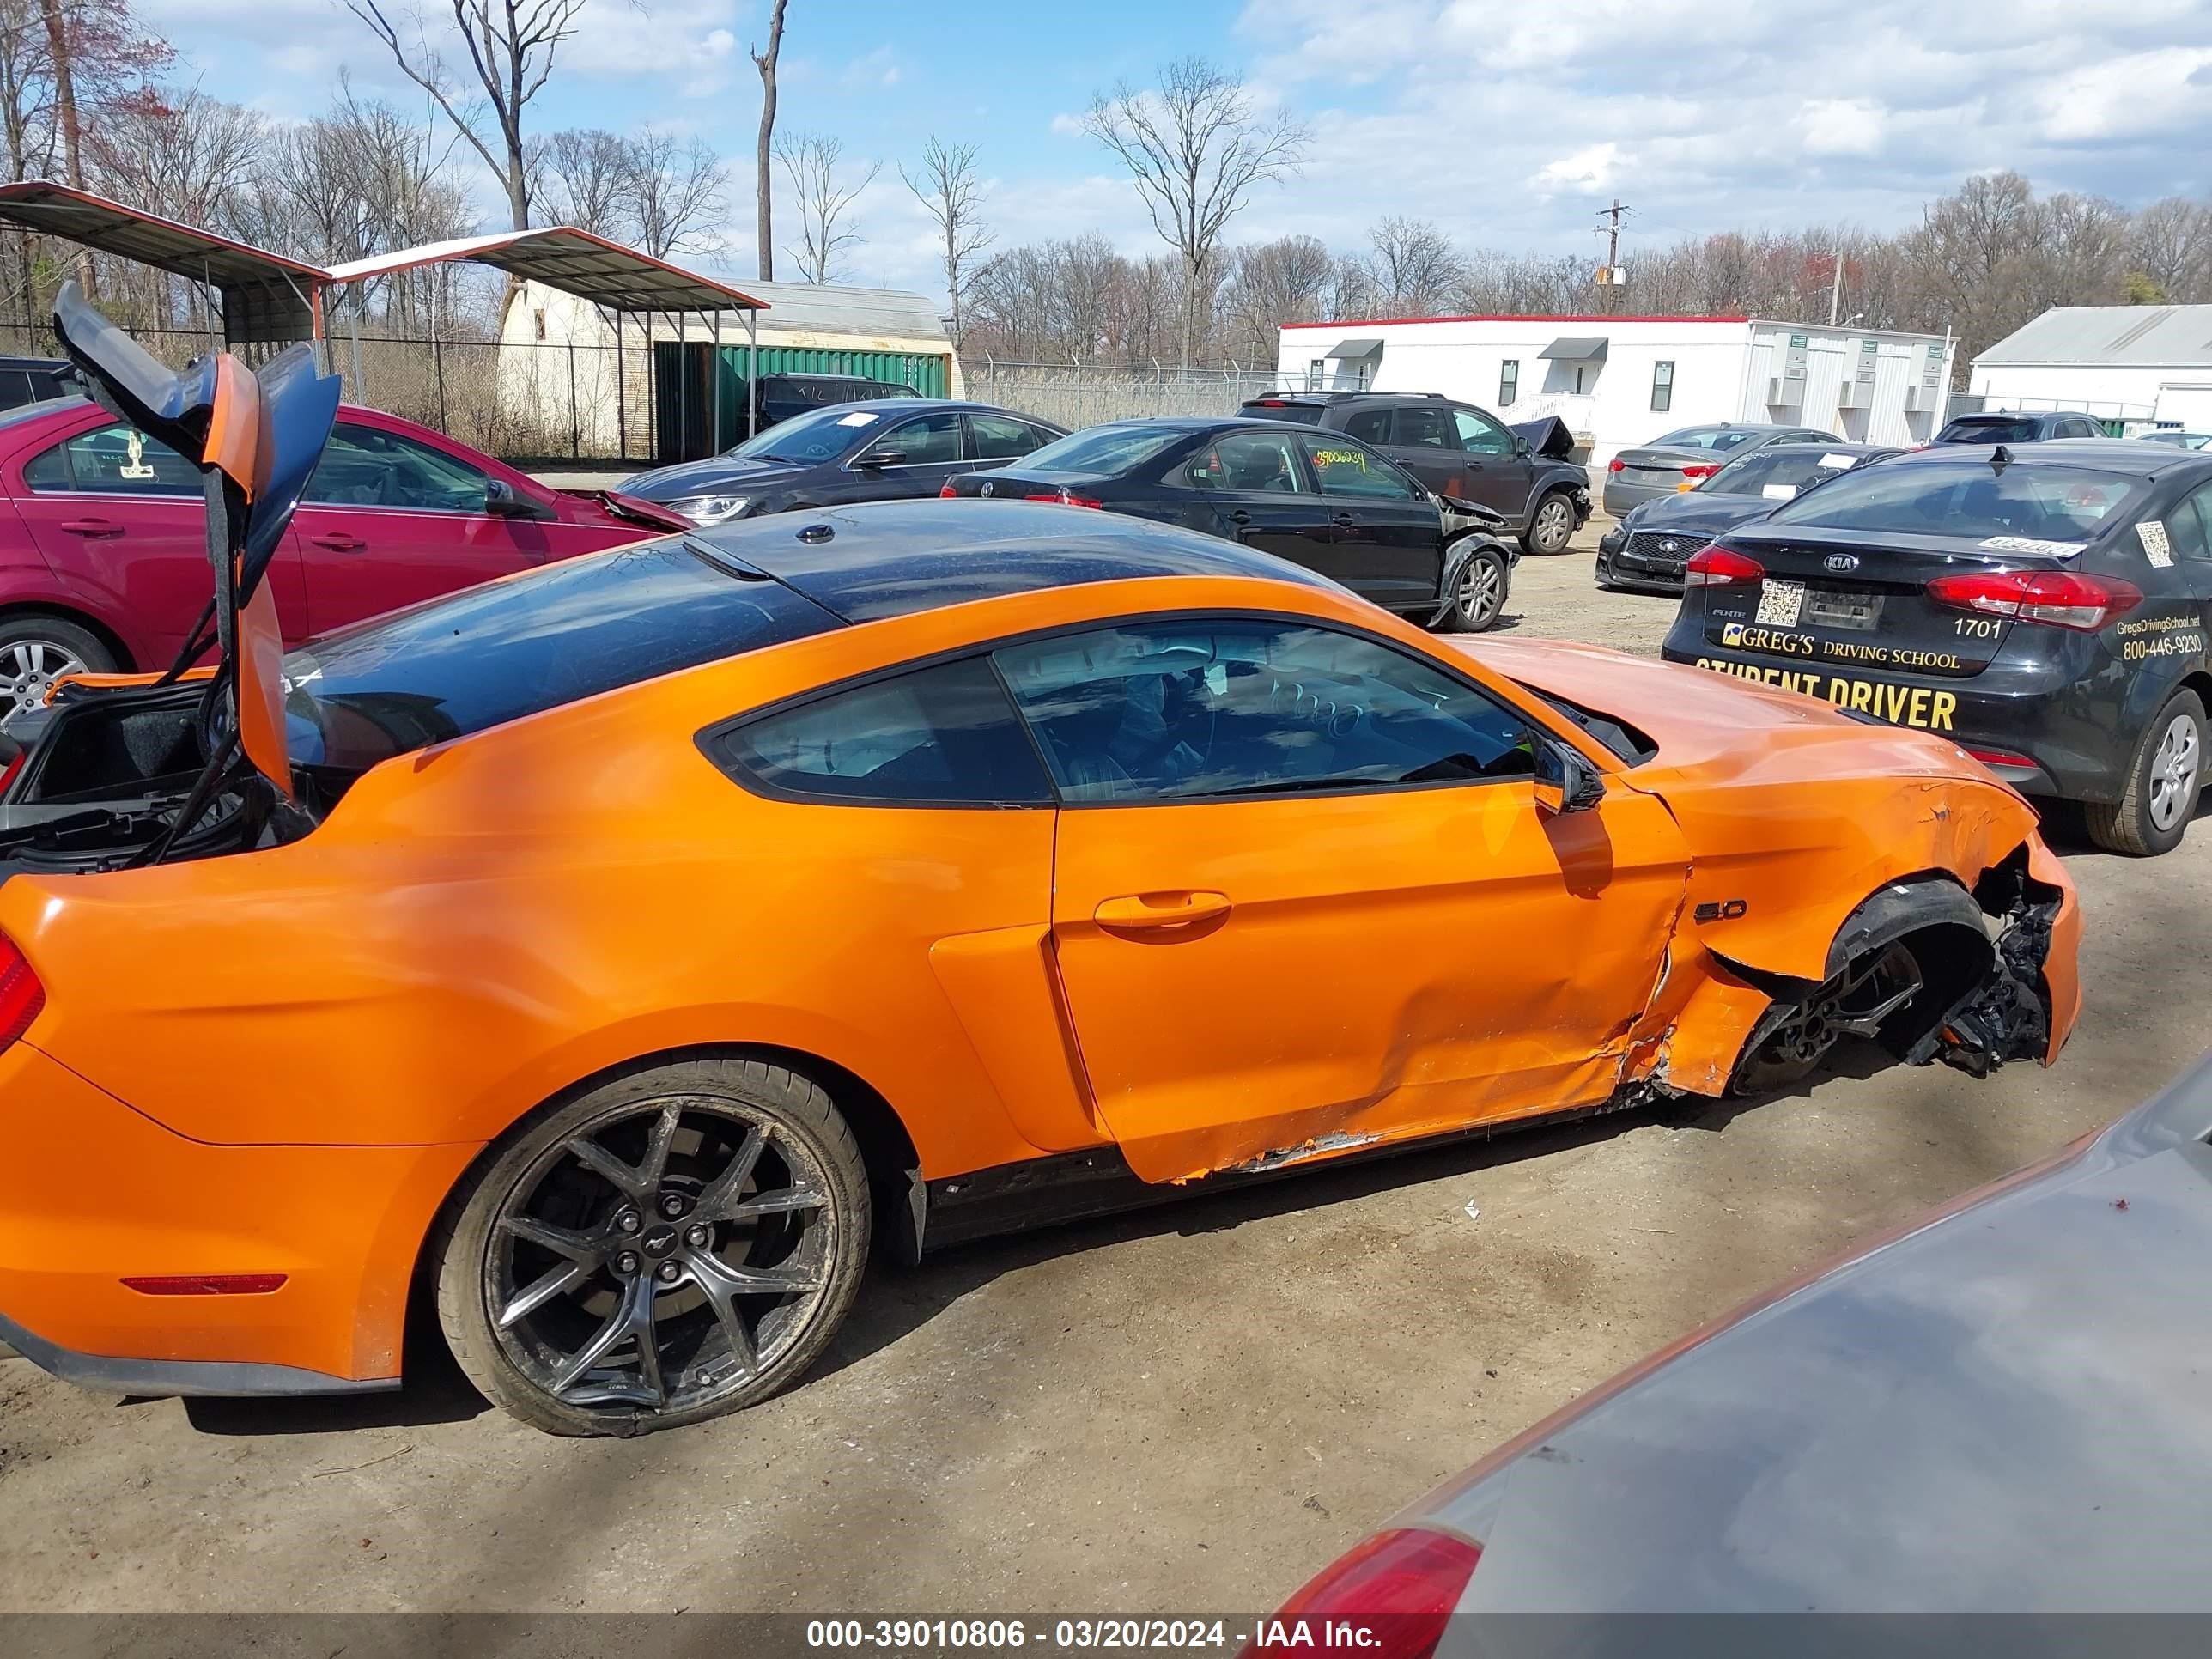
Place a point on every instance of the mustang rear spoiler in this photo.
(255, 437)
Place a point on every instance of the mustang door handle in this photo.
(92, 526)
(338, 542)
(1160, 909)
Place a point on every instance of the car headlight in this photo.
(708, 509)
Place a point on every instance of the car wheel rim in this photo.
(30, 667)
(1480, 590)
(2173, 773)
(664, 1257)
(1552, 527)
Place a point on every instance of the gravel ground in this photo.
(1185, 1410)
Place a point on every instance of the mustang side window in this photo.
(1216, 709)
(937, 737)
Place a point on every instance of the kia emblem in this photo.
(1841, 563)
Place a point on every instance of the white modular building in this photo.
(2141, 366)
(1621, 381)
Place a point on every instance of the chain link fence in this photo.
(521, 401)
(1078, 395)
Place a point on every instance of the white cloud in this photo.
(1594, 168)
(1842, 126)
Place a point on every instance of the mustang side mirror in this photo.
(1565, 782)
(876, 458)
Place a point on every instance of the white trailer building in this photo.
(2143, 366)
(1619, 381)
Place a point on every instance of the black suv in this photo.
(34, 380)
(2011, 426)
(1457, 450)
(784, 396)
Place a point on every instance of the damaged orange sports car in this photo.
(611, 953)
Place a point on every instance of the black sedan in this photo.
(877, 450)
(1997, 1412)
(2047, 607)
(1320, 499)
(1646, 550)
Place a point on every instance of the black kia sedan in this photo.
(1646, 551)
(2048, 607)
(1320, 499)
(877, 450)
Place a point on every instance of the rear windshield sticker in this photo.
(860, 418)
(2030, 544)
(1779, 602)
(1778, 492)
(1839, 460)
(2152, 534)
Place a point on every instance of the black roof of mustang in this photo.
(894, 558)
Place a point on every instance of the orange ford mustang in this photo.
(654, 928)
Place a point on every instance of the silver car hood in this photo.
(2009, 1409)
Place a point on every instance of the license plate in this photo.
(1856, 612)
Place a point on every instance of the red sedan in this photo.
(103, 537)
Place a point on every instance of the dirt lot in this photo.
(1184, 1411)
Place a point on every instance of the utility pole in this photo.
(1609, 278)
(1835, 287)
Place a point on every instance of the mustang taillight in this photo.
(21, 996)
(1700, 470)
(1720, 566)
(1064, 499)
(2062, 598)
(1398, 1589)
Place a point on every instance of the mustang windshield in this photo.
(497, 652)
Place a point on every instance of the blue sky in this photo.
(1507, 124)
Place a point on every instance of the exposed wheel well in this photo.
(91, 624)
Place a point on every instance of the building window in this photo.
(540, 316)
(1509, 381)
(1582, 375)
(1316, 370)
(1662, 387)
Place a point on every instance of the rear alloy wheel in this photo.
(665, 1249)
(1551, 527)
(2163, 783)
(35, 651)
(1792, 1040)
(1478, 595)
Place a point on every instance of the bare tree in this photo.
(674, 194)
(2170, 243)
(1416, 266)
(947, 186)
(583, 173)
(1285, 281)
(763, 194)
(811, 161)
(1196, 147)
(511, 45)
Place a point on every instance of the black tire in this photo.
(1792, 1041)
(535, 1214)
(36, 648)
(2164, 777)
(1478, 593)
(1551, 524)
